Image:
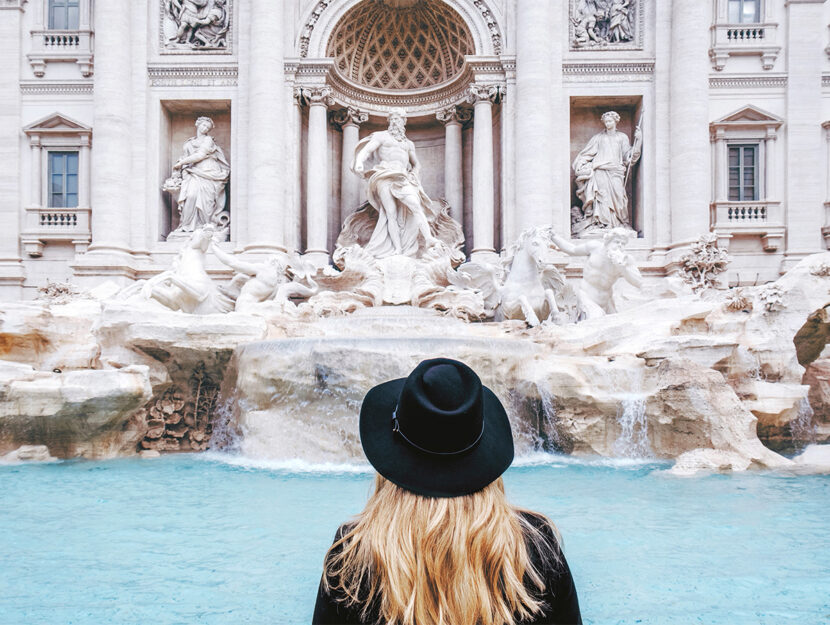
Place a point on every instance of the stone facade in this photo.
(500, 96)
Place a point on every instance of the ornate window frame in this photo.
(764, 217)
(744, 39)
(61, 46)
(59, 133)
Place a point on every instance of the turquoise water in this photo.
(196, 539)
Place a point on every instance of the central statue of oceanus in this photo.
(399, 218)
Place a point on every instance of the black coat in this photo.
(561, 603)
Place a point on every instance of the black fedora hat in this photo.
(439, 432)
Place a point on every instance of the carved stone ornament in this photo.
(600, 24)
(195, 25)
(314, 95)
(454, 115)
(349, 115)
(477, 93)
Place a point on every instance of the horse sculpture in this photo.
(526, 286)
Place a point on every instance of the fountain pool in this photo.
(217, 539)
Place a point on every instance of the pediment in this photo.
(749, 116)
(57, 124)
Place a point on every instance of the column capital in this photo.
(34, 141)
(454, 115)
(348, 116)
(826, 126)
(314, 96)
(476, 93)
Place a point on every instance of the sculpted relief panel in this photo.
(195, 25)
(606, 24)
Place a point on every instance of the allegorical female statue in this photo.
(601, 169)
(200, 176)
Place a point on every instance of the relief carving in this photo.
(604, 23)
(195, 24)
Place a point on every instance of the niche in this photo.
(178, 120)
(585, 114)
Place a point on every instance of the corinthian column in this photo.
(112, 102)
(482, 98)
(690, 147)
(453, 119)
(349, 120)
(266, 128)
(540, 190)
(317, 175)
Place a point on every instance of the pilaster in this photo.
(804, 201)
(11, 268)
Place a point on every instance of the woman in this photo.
(437, 543)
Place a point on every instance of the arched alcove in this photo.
(386, 45)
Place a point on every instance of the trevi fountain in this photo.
(178, 441)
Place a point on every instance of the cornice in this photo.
(193, 75)
(40, 87)
(748, 82)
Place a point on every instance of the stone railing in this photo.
(61, 46)
(43, 225)
(760, 39)
(764, 219)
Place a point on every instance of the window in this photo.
(744, 11)
(64, 14)
(743, 173)
(63, 179)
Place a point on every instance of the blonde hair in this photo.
(439, 561)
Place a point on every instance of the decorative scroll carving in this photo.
(454, 115)
(196, 25)
(477, 93)
(314, 95)
(605, 24)
(350, 115)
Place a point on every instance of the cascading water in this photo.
(633, 439)
(803, 428)
(549, 433)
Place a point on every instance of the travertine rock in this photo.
(77, 413)
(28, 453)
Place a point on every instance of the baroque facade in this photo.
(731, 99)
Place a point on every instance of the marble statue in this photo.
(607, 262)
(602, 22)
(186, 286)
(405, 214)
(602, 168)
(527, 286)
(199, 24)
(200, 177)
(271, 280)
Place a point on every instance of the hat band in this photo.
(396, 429)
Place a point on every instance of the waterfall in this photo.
(633, 439)
(549, 433)
(803, 427)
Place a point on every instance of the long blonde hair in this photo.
(439, 561)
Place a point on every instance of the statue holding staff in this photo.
(601, 174)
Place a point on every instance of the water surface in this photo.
(208, 539)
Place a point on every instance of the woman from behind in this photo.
(438, 543)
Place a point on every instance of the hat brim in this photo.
(428, 474)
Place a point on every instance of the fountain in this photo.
(275, 363)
